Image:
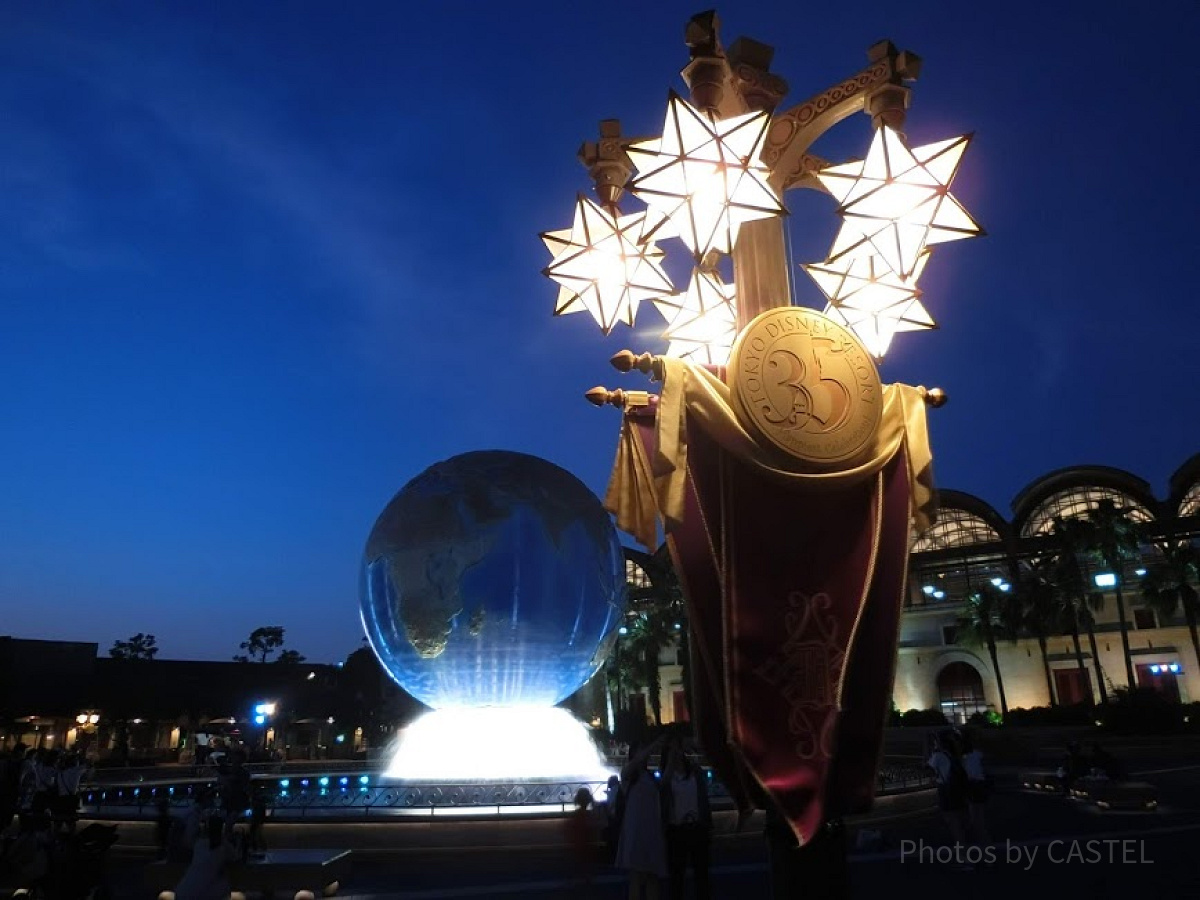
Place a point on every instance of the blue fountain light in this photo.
(492, 579)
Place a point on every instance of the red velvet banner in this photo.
(793, 601)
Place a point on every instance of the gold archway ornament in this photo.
(704, 174)
(897, 201)
(605, 264)
(867, 297)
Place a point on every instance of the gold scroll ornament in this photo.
(805, 387)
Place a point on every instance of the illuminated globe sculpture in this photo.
(492, 587)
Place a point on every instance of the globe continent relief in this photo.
(493, 578)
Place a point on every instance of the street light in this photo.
(263, 712)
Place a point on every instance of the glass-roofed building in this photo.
(973, 549)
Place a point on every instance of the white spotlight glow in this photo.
(489, 743)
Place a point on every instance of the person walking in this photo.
(979, 788)
(951, 780)
(641, 849)
(688, 820)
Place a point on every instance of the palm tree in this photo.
(1078, 604)
(981, 623)
(1173, 583)
(663, 602)
(649, 633)
(1111, 537)
(1040, 615)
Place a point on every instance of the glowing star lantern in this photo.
(705, 175)
(896, 201)
(604, 264)
(872, 301)
(703, 326)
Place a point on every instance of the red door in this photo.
(679, 704)
(1072, 686)
(1163, 680)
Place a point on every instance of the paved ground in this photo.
(1047, 846)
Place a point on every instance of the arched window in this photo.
(635, 575)
(1190, 504)
(1075, 503)
(956, 528)
(960, 692)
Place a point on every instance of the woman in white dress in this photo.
(642, 848)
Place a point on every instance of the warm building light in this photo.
(605, 264)
(896, 201)
(705, 175)
(702, 326)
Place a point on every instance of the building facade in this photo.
(972, 545)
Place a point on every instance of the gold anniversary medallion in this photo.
(804, 384)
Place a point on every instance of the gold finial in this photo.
(935, 397)
(601, 396)
(646, 363)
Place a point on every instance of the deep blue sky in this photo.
(262, 263)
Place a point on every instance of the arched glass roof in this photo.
(956, 528)
(1190, 504)
(1076, 502)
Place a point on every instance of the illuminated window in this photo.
(956, 528)
(635, 575)
(1075, 503)
(1190, 504)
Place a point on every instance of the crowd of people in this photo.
(39, 812)
(41, 783)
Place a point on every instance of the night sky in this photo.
(263, 263)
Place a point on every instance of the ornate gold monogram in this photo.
(805, 672)
(803, 383)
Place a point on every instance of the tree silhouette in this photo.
(139, 646)
(261, 643)
(1078, 604)
(1041, 615)
(984, 620)
(290, 657)
(1173, 583)
(1111, 538)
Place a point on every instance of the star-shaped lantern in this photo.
(896, 201)
(605, 264)
(702, 326)
(705, 175)
(871, 300)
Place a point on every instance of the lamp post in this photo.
(86, 722)
(262, 713)
(764, 411)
